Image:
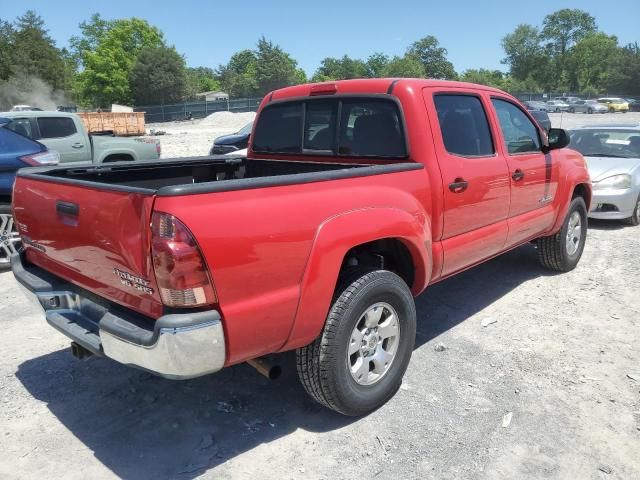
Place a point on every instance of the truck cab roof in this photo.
(370, 85)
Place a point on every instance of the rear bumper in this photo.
(176, 346)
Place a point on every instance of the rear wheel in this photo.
(9, 238)
(561, 252)
(356, 365)
(572, 110)
(590, 110)
(635, 218)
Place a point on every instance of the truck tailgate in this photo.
(97, 238)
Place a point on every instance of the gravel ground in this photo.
(516, 373)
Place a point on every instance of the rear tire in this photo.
(634, 219)
(561, 252)
(590, 111)
(349, 367)
(572, 110)
(9, 239)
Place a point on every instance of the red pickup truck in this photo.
(354, 197)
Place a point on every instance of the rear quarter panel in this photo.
(258, 244)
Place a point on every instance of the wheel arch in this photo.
(394, 234)
(118, 157)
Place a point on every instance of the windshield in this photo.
(603, 142)
(246, 130)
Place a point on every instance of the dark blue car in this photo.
(16, 151)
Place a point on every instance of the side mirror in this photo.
(558, 138)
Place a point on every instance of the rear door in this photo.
(62, 135)
(97, 238)
(533, 175)
(474, 174)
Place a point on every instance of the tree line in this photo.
(128, 61)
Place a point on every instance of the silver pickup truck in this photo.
(66, 134)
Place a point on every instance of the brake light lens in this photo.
(181, 272)
(323, 89)
(158, 148)
(40, 159)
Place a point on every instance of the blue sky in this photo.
(209, 32)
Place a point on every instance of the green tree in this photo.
(407, 66)
(6, 49)
(158, 76)
(624, 77)
(591, 61)
(566, 27)
(433, 58)
(482, 76)
(527, 59)
(275, 68)
(341, 69)
(91, 34)
(200, 79)
(35, 53)
(238, 77)
(105, 77)
(377, 64)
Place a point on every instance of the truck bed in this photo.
(184, 176)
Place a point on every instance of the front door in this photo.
(475, 177)
(60, 134)
(532, 173)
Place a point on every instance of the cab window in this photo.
(464, 125)
(21, 126)
(56, 127)
(519, 132)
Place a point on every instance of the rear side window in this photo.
(360, 127)
(279, 129)
(519, 132)
(464, 125)
(21, 126)
(56, 127)
(19, 145)
(371, 128)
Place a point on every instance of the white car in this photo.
(612, 153)
(24, 108)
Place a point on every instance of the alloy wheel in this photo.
(9, 239)
(574, 233)
(373, 344)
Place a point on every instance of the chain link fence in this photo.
(188, 110)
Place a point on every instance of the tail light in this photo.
(181, 272)
(158, 148)
(40, 159)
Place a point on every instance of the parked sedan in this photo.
(613, 157)
(615, 104)
(557, 106)
(536, 105)
(16, 151)
(588, 106)
(232, 143)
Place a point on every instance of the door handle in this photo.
(67, 208)
(518, 175)
(459, 185)
(77, 145)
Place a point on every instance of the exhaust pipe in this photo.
(266, 368)
(79, 351)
